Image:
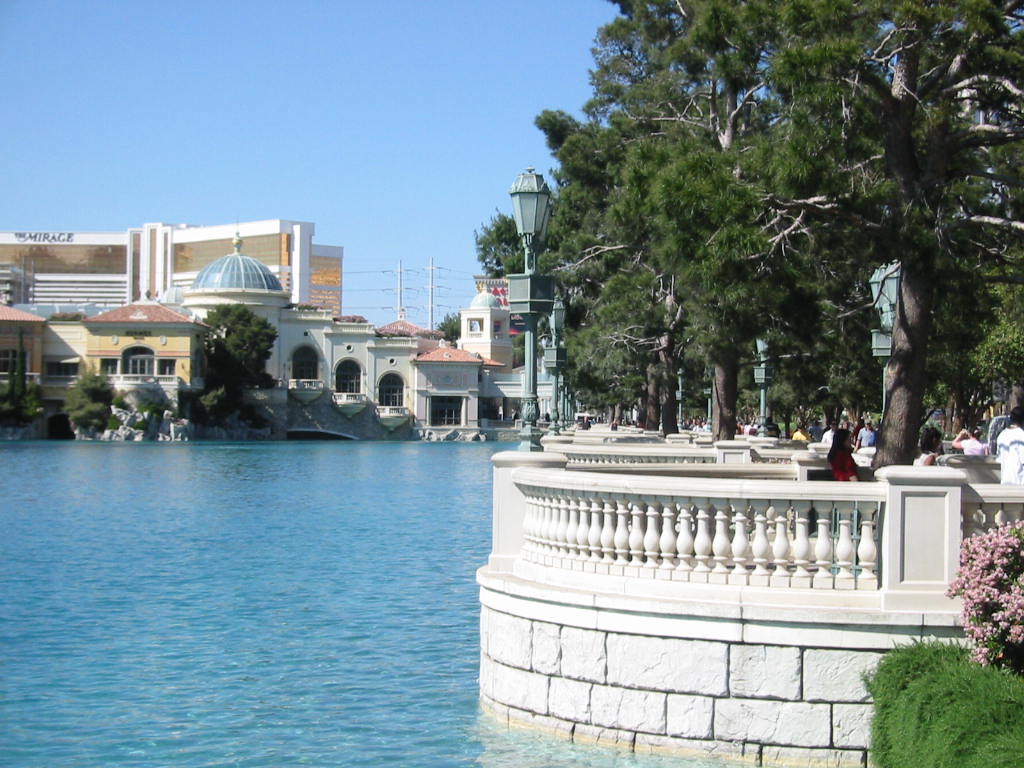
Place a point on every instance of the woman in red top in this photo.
(840, 456)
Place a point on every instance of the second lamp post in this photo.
(530, 294)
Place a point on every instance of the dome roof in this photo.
(236, 271)
(485, 300)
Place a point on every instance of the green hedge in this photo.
(934, 708)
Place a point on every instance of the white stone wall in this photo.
(770, 704)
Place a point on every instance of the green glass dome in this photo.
(236, 272)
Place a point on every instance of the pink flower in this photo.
(991, 583)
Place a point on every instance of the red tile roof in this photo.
(10, 314)
(141, 313)
(448, 355)
(405, 328)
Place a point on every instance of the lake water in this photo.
(251, 605)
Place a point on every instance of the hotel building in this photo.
(113, 269)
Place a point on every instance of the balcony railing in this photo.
(308, 385)
(392, 410)
(126, 379)
(348, 398)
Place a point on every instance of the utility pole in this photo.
(400, 299)
(430, 294)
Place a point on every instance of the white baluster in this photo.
(550, 528)
(636, 534)
(608, 532)
(823, 552)
(652, 536)
(621, 533)
(528, 518)
(740, 547)
(582, 532)
(801, 547)
(867, 552)
(844, 553)
(991, 513)
(702, 545)
(561, 547)
(760, 548)
(721, 546)
(667, 545)
(594, 534)
(570, 548)
(973, 520)
(780, 551)
(684, 541)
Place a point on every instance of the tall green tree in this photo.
(237, 349)
(680, 87)
(905, 120)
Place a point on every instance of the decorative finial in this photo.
(237, 242)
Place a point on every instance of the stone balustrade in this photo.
(691, 531)
(724, 609)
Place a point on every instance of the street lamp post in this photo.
(530, 294)
(555, 358)
(763, 375)
(679, 399)
(885, 291)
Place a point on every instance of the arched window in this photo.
(347, 377)
(305, 363)
(391, 391)
(137, 361)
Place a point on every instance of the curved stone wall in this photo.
(771, 686)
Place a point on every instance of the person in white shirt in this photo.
(826, 438)
(970, 443)
(1010, 449)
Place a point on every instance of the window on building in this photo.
(347, 377)
(445, 411)
(165, 368)
(497, 327)
(391, 391)
(138, 361)
(108, 366)
(305, 363)
(55, 369)
(476, 325)
(7, 360)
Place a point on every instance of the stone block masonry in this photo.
(764, 704)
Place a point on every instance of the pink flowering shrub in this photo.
(991, 582)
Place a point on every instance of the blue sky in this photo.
(396, 126)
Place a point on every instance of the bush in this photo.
(88, 401)
(113, 422)
(936, 709)
(990, 583)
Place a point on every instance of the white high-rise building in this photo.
(117, 268)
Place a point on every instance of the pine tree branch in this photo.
(998, 221)
(972, 84)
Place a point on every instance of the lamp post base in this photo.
(529, 438)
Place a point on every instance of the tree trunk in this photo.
(669, 403)
(652, 417)
(905, 375)
(723, 396)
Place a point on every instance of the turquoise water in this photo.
(251, 605)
